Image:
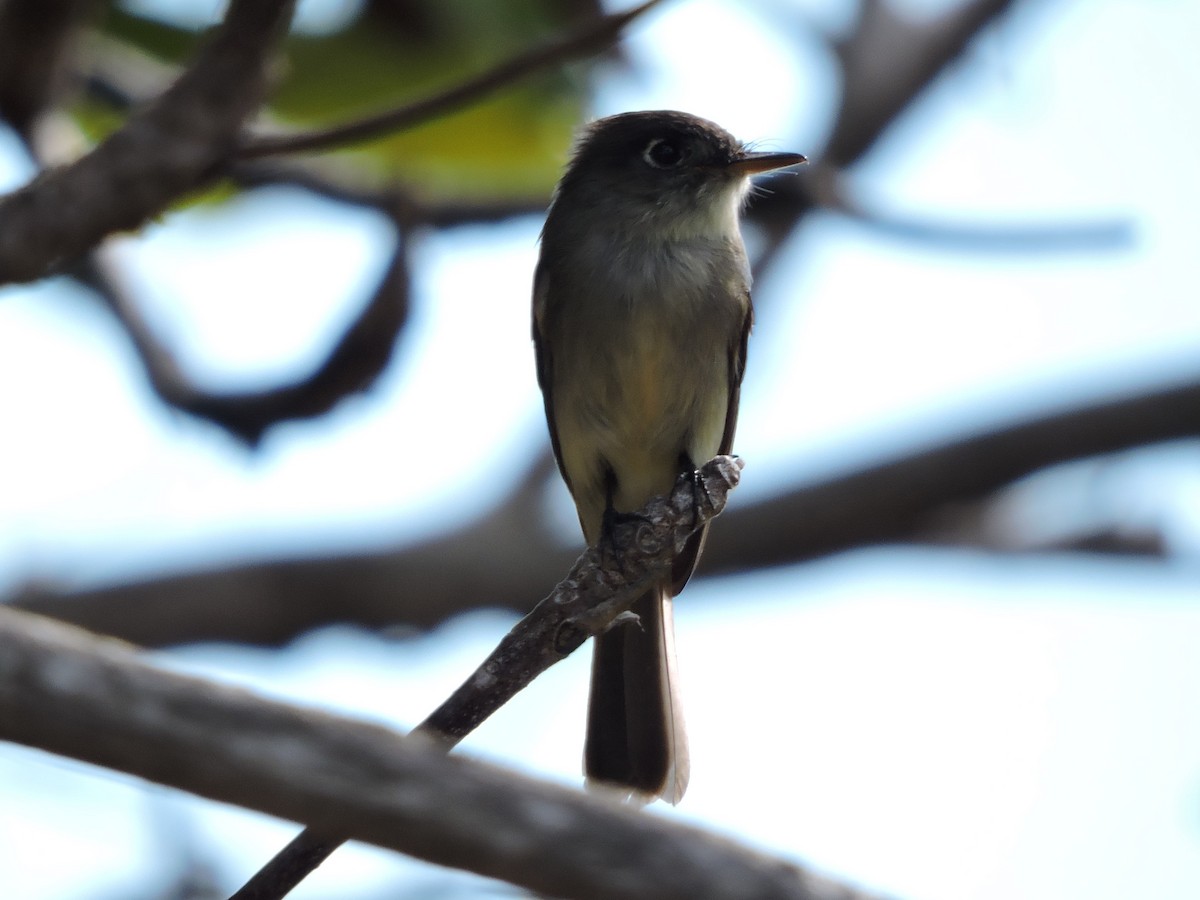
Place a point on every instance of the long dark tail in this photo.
(635, 735)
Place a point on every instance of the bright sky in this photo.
(933, 724)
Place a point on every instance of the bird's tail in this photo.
(636, 740)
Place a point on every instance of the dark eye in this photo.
(662, 154)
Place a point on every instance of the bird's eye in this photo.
(662, 154)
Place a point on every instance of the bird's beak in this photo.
(753, 163)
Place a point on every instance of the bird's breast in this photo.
(641, 367)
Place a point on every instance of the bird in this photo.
(641, 317)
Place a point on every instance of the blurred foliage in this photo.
(395, 51)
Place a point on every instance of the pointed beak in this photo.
(754, 163)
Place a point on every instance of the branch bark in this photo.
(159, 154)
(66, 692)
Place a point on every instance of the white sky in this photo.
(932, 724)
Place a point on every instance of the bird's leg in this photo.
(612, 520)
(687, 468)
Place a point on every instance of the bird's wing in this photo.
(541, 349)
(685, 562)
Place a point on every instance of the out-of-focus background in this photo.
(996, 700)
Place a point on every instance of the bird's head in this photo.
(664, 171)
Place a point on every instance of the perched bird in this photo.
(641, 312)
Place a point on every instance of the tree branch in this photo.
(642, 551)
(357, 358)
(66, 692)
(159, 154)
(501, 559)
(323, 179)
(584, 41)
(897, 500)
(601, 585)
(122, 81)
(70, 693)
(366, 348)
(886, 62)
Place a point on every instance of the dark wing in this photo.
(685, 562)
(737, 368)
(541, 350)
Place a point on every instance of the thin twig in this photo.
(360, 354)
(589, 39)
(889, 59)
(321, 178)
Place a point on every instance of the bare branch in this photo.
(363, 351)
(367, 346)
(360, 356)
(894, 500)
(591, 38)
(888, 60)
(502, 559)
(69, 693)
(352, 365)
(124, 79)
(159, 154)
(602, 584)
(393, 198)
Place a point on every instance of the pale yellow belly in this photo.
(653, 402)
